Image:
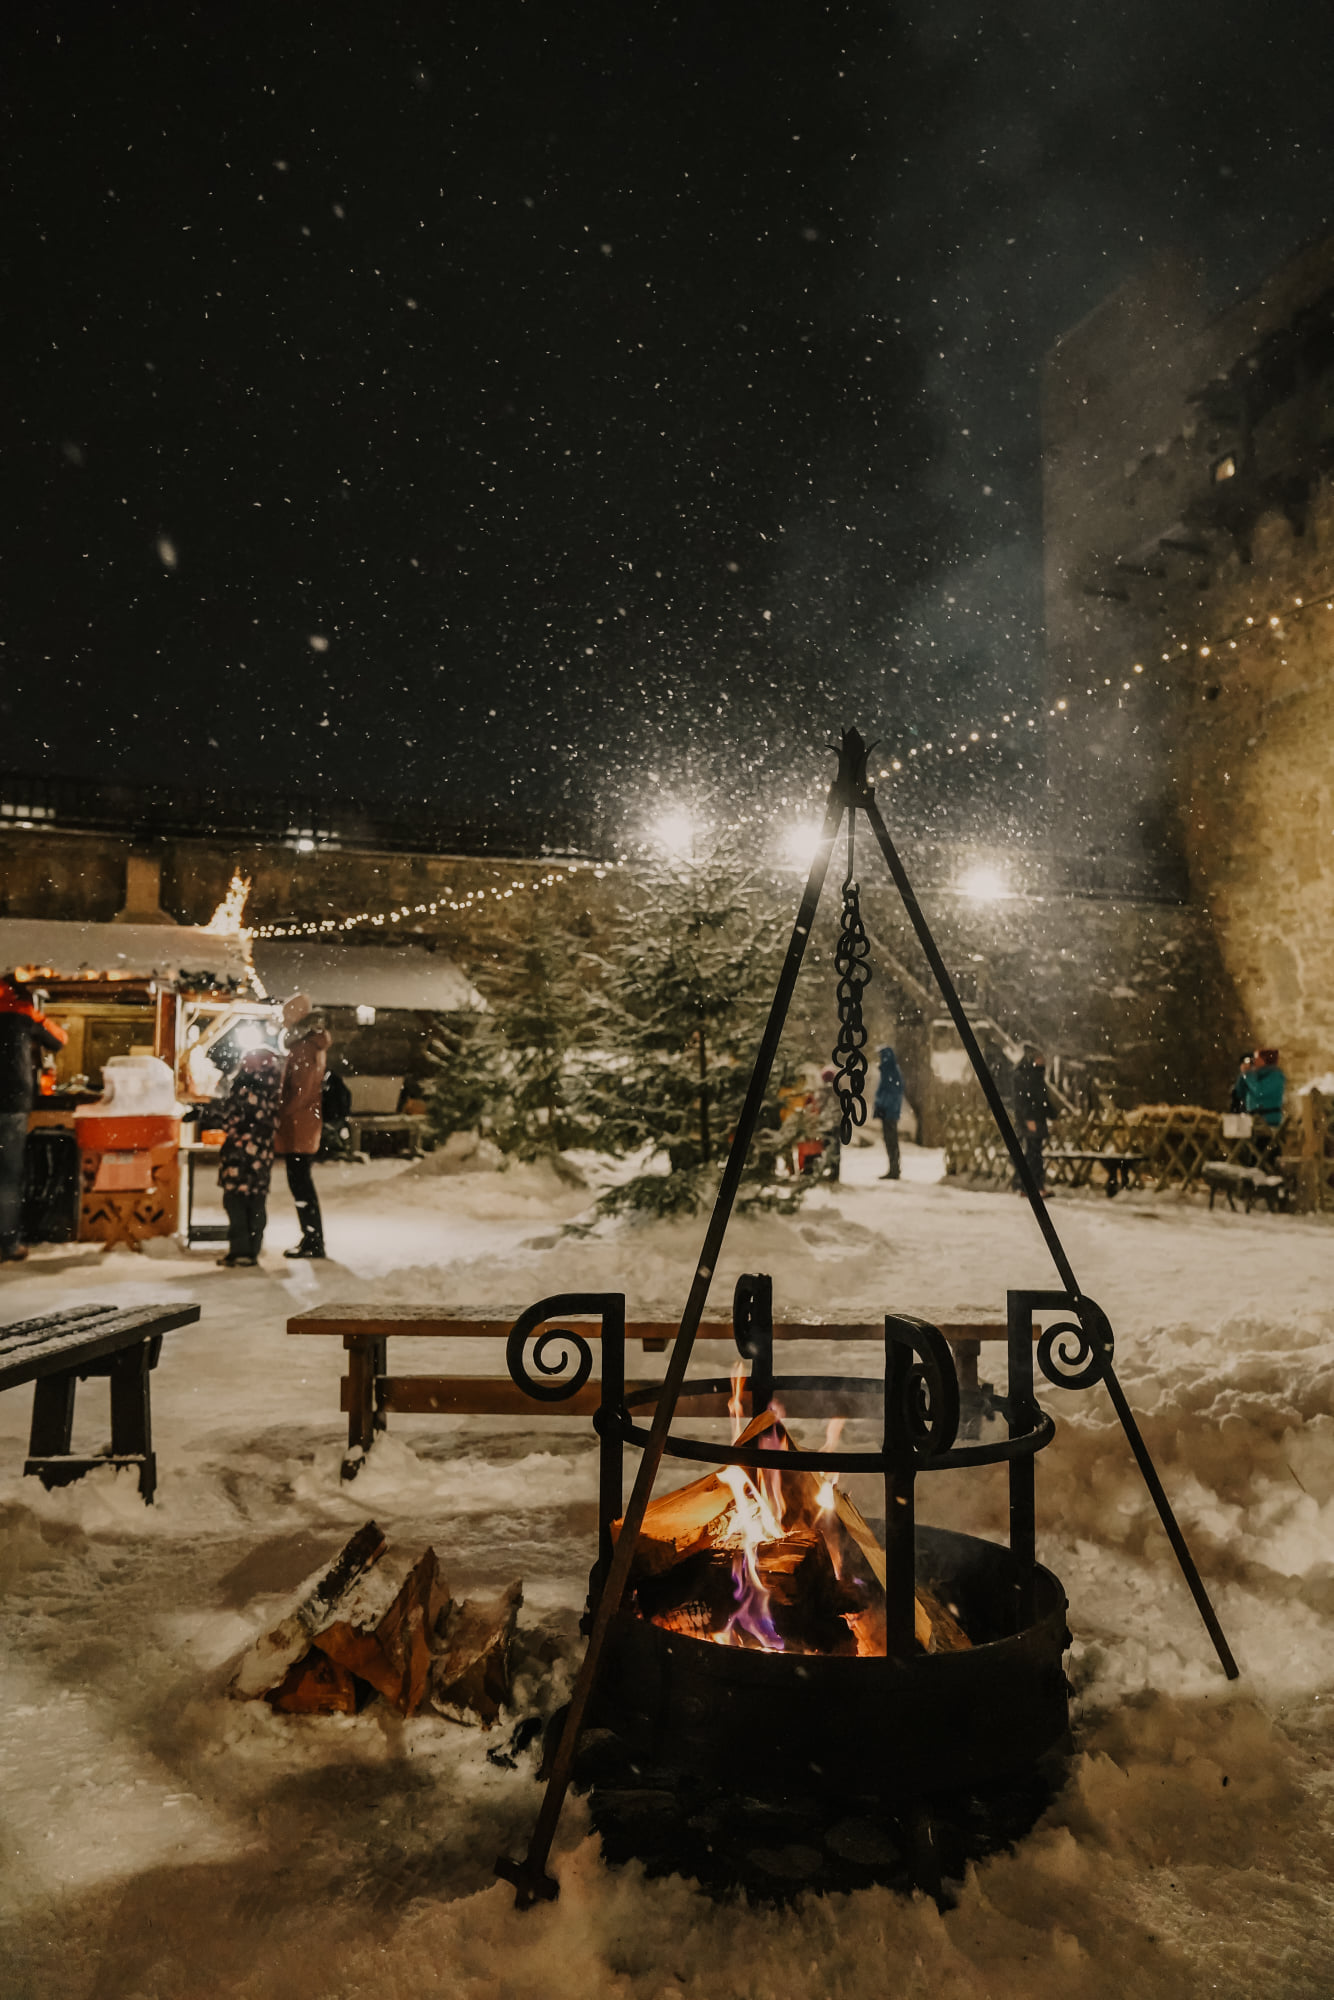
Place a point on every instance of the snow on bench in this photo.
(1251, 1181)
(58, 1351)
(1118, 1166)
(369, 1392)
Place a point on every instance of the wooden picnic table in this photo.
(1119, 1166)
(1248, 1181)
(369, 1392)
(58, 1351)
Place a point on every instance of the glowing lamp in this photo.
(984, 884)
(800, 842)
(674, 831)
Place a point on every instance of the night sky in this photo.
(513, 404)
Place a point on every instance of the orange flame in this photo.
(758, 1523)
(736, 1405)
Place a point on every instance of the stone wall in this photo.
(83, 876)
(1128, 994)
(1255, 769)
(1188, 461)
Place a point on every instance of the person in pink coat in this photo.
(299, 1118)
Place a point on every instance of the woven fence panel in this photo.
(1178, 1139)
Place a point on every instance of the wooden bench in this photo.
(1248, 1181)
(1119, 1166)
(410, 1125)
(60, 1350)
(369, 1393)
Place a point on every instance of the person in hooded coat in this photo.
(249, 1114)
(300, 1120)
(24, 1032)
(1033, 1109)
(888, 1108)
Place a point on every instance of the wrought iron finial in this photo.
(851, 783)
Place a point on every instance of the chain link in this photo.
(852, 963)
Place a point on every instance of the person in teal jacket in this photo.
(1265, 1083)
(888, 1108)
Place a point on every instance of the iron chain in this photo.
(852, 963)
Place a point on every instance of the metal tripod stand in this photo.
(1074, 1355)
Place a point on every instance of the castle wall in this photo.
(1255, 779)
(1188, 503)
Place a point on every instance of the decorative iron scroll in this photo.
(927, 1412)
(852, 963)
(1074, 1354)
(569, 1346)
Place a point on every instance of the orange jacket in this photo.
(299, 1119)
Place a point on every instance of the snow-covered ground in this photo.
(161, 1840)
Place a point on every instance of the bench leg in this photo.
(966, 1354)
(49, 1454)
(131, 1414)
(362, 1358)
(379, 1366)
(52, 1416)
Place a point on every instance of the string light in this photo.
(1257, 623)
(911, 757)
(471, 900)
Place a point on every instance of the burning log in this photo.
(808, 1606)
(779, 1560)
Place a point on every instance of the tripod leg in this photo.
(531, 1881)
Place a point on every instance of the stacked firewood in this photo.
(370, 1625)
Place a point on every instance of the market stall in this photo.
(133, 1000)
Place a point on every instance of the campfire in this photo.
(776, 1562)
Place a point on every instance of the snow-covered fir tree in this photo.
(463, 1054)
(686, 987)
(506, 1073)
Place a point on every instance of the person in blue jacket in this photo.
(888, 1108)
(1265, 1084)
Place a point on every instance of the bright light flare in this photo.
(984, 884)
(674, 831)
(800, 842)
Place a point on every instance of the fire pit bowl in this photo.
(781, 1724)
(828, 1745)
